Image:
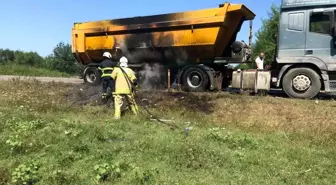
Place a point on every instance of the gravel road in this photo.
(73, 80)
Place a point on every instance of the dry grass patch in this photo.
(314, 118)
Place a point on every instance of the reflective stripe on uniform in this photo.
(105, 75)
(106, 69)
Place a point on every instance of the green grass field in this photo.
(24, 70)
(235, 139)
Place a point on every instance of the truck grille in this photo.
(332, 85)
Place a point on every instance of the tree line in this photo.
(61, 59)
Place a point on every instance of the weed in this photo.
(112, 172)
(242, 141)
(230, 139)
(26, 174)
(240, 153)
(145, 176)
(62, 177)
(20, 126)
(72, 132)
(15, 143)
(195, 157)
(103, 171)
(218, 134)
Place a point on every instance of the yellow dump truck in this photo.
(194, 46)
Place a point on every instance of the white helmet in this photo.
(123, 62)
(107, 55)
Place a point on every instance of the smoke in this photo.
(141, 56)
(125, 51)
(180, 56)
(146, 55)
(153, 74)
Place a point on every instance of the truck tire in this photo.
(301, 83)
(195, 79)
(92, 76)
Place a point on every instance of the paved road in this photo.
(72, 80)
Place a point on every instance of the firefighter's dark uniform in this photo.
(108, 83)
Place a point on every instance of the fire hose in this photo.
(145, 107)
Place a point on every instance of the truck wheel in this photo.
(303, 83)
(195, 80)
(92, 76)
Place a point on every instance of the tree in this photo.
(28, 58)
(21, 57)
(62, 59)
(6, 55)
(266, 37)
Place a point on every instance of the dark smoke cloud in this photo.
(153, 74)
(180, 56)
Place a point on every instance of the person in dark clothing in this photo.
(108, 83)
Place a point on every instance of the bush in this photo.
(28, 58)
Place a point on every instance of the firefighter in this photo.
(108, 84)
(125, 83)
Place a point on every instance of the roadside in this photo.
(28, 70)
(71, 80)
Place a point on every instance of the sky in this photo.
(39, 25)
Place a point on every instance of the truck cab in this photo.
(306, 47)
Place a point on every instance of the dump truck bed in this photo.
(193, 35)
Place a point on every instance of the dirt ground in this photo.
(82, 94)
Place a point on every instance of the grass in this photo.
(234, 139)
(24, 70)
